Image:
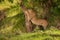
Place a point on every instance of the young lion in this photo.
(31, 16)
(36, 21)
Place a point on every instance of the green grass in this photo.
(35, 36)
(38, 35)
(49, 34)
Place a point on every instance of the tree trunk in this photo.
(2, 14)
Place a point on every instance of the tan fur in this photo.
(31, 16)
(40, 22)
(26, 13)
(36, 21)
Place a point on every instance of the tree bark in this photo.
(2, 14)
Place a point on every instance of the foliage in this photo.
(14, 22)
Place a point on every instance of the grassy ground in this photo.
(35, 36)
(39, 35)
